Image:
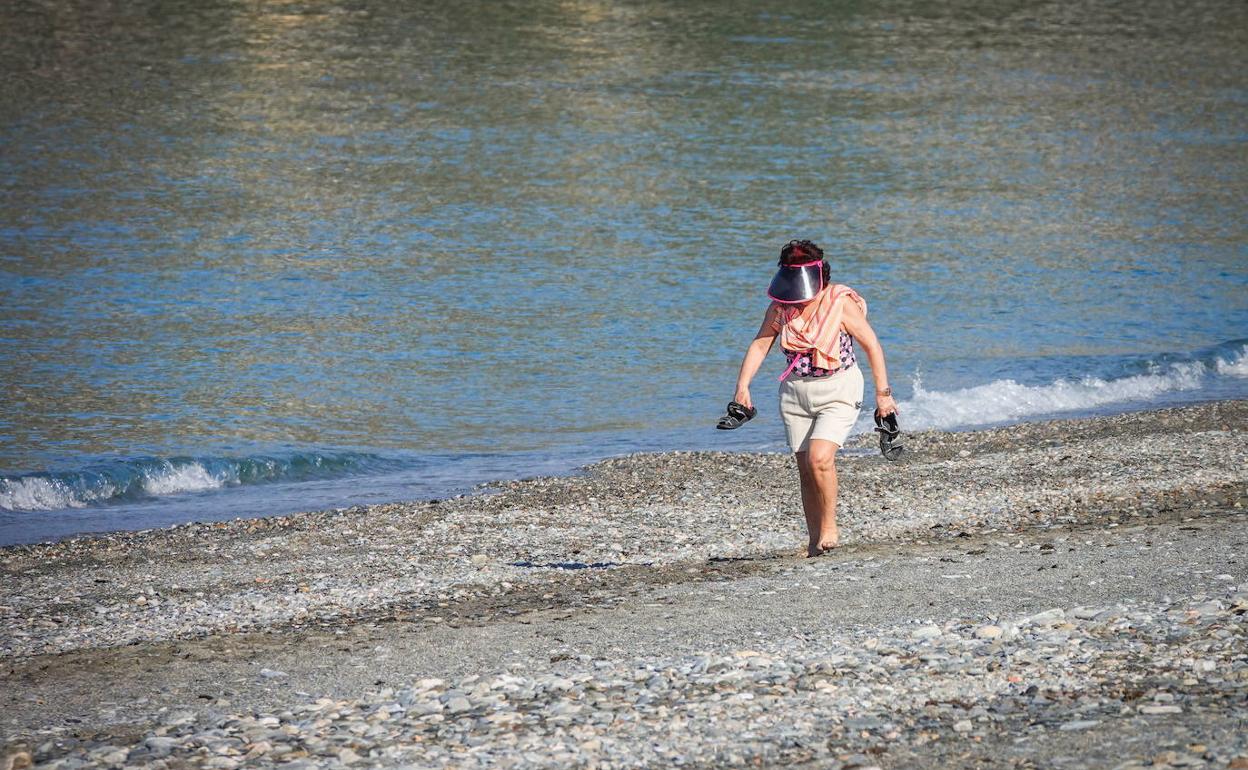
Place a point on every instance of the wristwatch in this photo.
(885, 392)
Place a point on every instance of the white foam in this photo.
(172, 479)
(1236, 367)
(1008, 401)
(36, 493)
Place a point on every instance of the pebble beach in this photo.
(1067, 594)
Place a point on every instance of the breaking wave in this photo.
(1006, 400)
(150, 477)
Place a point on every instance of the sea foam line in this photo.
(40, 492)
(1236, 366)
(1010, 401)
(149, 477)
(1006, 400)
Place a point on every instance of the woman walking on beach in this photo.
(821, 390)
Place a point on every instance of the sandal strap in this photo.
(738, 415)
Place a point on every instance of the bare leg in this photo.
(821, 468)
(811, 506)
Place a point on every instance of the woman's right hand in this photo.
(743, 398)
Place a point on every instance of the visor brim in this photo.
(796, 284)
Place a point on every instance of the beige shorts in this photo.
(820, 407)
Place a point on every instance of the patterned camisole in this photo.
(804, 367)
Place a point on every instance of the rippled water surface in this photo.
(389, 250)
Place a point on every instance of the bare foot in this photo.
(830, 540)
(821, 548)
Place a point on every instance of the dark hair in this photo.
(798, 252)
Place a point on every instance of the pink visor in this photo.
(797, 283)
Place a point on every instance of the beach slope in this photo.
(1061, 594)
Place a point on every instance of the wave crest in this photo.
(1006, 400)
(1235, 366)
(147, 477)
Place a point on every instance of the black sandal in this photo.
(738, 415)
(890, 447)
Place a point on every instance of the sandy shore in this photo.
(1061, 594)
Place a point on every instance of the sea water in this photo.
(274, 256)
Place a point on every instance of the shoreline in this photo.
(858, 445)
(187, 619)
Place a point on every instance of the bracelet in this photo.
(885, 392)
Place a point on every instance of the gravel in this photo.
(936, 653)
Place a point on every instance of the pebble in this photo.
(1046, 618)
(161, 746)
(348, 756)
(16, 760)
(249, 575)
(775, 700)
(737, 707)
(988, 632)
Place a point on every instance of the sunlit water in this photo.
(268, 256)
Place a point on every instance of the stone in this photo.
(425, 708)
(1078, 724)
(1179, 759)
(269, 673)
(988, 632)
(161, 746)
(348, 756)
(926, 632)
(1209, 608)
(1046, 618)
(16, 760)
(259, 748)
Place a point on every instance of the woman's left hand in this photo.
(885, 405)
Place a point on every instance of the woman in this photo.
(821, 390)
